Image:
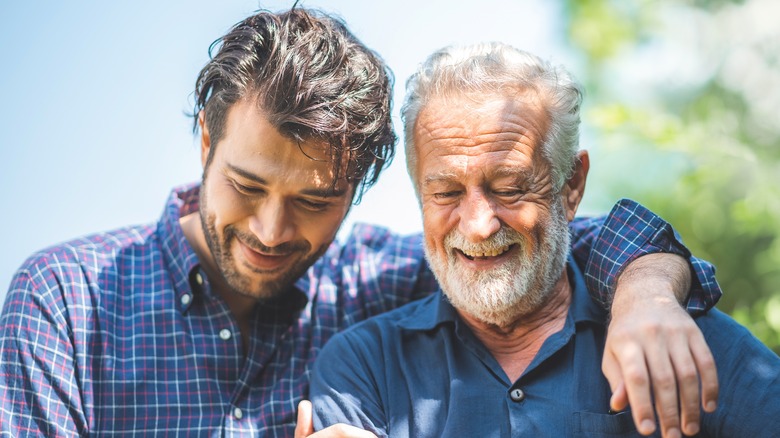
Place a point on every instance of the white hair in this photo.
(497, 68)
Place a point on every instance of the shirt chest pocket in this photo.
(590, 424)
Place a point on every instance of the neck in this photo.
(515, 345)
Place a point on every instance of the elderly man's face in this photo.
(496, 233)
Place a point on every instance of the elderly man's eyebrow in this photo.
(511, 172)
(500, 172)
(440, 177)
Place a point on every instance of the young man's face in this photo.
(268, 207)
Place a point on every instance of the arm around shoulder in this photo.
(605, 246)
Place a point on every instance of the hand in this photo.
(305, 426)
(653, 344)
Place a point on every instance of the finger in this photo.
(305, 425)
(343, 431)
(637, 387)
(664, 384)
(611, 369)
(687, 377)
(708, 372)
(619, 400)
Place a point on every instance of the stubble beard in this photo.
(262, 290)
(517, 287)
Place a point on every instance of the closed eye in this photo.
(313, 205)
(247, 190)
(445, 195)
(508, 193)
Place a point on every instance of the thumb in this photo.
(304, 427)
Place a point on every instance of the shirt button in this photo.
(198, 279)
(238, 413)
(225, 334)
(185, 299)
(517, 395)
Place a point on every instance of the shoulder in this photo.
(741, 358)
(370, 237)
(374, 255)
(69, 262)
(721, 330)
(748, 377)
(385, 330)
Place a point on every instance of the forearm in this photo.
(658, 276)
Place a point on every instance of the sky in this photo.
(95, 96)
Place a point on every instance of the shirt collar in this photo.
(181, 259)
(437, 309)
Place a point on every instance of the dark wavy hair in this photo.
(313, 79)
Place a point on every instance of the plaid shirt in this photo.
(120, 333)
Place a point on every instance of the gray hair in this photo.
(492, 68)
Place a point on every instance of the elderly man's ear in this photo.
(575, 186)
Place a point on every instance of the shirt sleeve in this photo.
(39, 390)
(604, 245)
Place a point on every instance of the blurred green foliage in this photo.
(682, 113)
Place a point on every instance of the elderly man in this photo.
(510, 345)
(207, 321)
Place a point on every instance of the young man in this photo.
(208, 321)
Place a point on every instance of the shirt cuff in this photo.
(631, 231)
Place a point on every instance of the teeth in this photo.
(486, 253)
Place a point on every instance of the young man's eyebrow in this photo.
(319, 192)
(246, 174)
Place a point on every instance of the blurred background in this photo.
(681, 114)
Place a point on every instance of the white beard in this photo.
(512, 290)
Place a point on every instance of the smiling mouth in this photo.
(494, 252)
(265, 261)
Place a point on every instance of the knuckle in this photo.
(707, 362)
(664, 381)
(636, 378)
(687, 374)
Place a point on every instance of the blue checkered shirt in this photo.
(119, 333)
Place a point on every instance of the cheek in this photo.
(524, 219)
(530, 220)
(438, 221)
(224, 207)
(321, 229)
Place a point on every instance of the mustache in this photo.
(253, 243)
(503, 237)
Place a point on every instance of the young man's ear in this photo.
(574, 188)
(205, 139)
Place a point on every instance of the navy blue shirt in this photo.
(420, 372)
